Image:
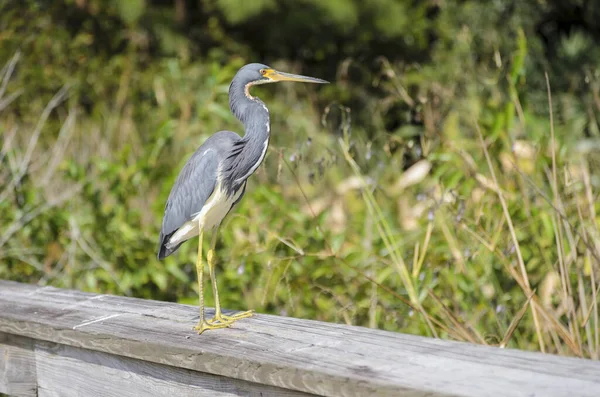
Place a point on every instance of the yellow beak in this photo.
(275, 75)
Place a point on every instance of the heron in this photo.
(214, 180)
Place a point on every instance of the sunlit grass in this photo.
(487, 238)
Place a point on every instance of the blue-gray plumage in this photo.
(214, 178)
(193, 186)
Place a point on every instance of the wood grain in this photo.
(292, 354)
(17, 366)
(65, 371)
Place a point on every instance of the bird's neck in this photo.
(256, 120)
(250, 110)
(249, 152)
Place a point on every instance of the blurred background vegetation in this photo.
(434, 188)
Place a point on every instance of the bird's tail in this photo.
(163, 249)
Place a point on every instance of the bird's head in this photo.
(257, 73)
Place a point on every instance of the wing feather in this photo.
(193, 187)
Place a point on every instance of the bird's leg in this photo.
(203, 325)
(220, 318)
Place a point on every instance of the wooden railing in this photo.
(56, 342)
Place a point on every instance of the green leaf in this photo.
(131, 10)
(160, 279)
(236, 11)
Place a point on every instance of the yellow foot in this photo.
(206, 325)
(224, 319)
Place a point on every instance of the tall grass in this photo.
(491, 237)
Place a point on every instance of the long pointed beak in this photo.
(281, 76)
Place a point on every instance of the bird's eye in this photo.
(263, 72)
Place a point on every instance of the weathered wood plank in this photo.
(65, 371)
(17, 366)
(308, 356)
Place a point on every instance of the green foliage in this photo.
(376, 205)
(130, 11)
(236, 11)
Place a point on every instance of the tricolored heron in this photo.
(214, 180)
